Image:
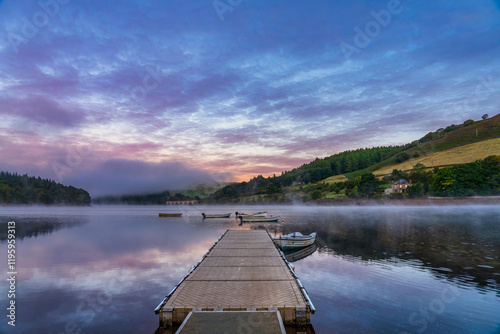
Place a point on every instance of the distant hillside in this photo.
(453, 156)
(453, 136)
(24, 189)
(319, 169)
(471, 140)
(457, 135)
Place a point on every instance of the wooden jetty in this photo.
(242, 271)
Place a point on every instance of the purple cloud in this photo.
(41, 110)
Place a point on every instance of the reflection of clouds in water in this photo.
(132, 258)
(386, 291)
(346, 274)
(455, 242)
(133, 252)
(130, 269)
(369, 260)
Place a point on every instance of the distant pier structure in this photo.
(181, 202)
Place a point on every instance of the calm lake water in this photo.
(103, 269)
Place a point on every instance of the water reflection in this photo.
(452, 245)
(372, 270)
(299, 254)
(402, 270)
(33, 227)
(111, 268)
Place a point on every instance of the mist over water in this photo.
(374, 269)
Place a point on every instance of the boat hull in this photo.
(259, 219)
(291, 242)
(258, 214)
(217, 215)
(170, 214)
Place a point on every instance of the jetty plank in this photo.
(204, 322)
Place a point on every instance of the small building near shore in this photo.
(400, 186)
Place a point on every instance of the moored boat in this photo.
(252, 219)
(257, 214)
(295, 240)
(216, 215)
(170, 214)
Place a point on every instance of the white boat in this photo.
(295, 240)
(257, 214)
(216, 215)
(253, 219)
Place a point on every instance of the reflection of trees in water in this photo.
(35, 227)
(463, 250)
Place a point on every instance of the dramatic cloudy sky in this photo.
(131, 96)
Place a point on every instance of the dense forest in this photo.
(24, 189)
(481, 177)
(159, 198)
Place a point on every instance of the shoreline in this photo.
(485, 200)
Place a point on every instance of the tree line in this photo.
(159, 198)
(481, 177)
(478, 178)
(24, 189)
(319, 169)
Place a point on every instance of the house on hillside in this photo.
(400, 186)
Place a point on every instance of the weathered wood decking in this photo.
(242, 271)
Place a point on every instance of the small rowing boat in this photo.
(257, 214)
(216, 215)
(170, 214)
(259, 219)
(295, 240)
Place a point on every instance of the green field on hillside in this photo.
(454, 156)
